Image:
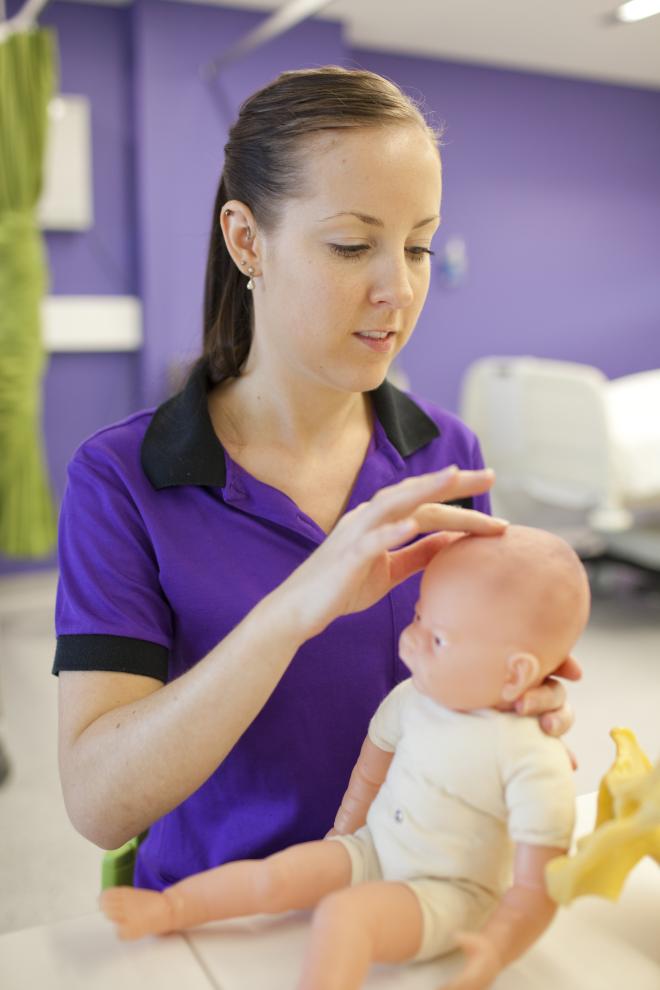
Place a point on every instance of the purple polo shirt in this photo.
(166, 543)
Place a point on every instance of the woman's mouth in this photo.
(381, 341)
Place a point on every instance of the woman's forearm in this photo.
(135, 763)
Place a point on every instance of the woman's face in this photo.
(349, 258)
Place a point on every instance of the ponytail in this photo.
(227, 305)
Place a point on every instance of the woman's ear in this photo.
(239, 228)
(522, 670)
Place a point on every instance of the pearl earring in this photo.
(250, 284)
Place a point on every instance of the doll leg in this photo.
(294, 879)
(372, 922)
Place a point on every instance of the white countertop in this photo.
(591, 945)
(85, 954)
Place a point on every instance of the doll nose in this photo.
(410, 641)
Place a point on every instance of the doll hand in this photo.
(136, 912)
(482, 965)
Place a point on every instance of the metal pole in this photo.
(281, 20)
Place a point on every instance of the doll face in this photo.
(452, 647)
(495, 615)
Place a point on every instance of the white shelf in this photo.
(92, 323)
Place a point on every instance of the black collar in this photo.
(180, 446)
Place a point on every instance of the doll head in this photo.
(495, 616)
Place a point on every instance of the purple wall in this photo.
(83, 392)
(552, 182)
(95, 60)
(554, 185)
(183, 123)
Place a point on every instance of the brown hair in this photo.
(263, 168)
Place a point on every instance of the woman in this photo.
(231, 594)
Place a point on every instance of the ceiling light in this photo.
(637, 10)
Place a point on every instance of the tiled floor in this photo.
(48, 872)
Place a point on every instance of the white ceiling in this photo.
(562, 37)
(577, 38)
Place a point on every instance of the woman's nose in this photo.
(393, 287)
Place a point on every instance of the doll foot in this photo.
(137, 912)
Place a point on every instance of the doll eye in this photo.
(438, 641)
(417, 617)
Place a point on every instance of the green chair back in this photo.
(118, 864)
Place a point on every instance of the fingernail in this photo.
(502, 522)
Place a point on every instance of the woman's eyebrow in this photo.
(374, 221)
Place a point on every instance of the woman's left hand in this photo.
(548, 700)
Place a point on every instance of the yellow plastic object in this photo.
(118, 864)
(627, 828)
(630, 764)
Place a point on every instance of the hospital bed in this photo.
(574, 452)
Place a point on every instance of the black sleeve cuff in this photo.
(118, 653)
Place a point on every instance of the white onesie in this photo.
(461, 788)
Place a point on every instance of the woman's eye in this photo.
(349, 250)
(417, 253)
(355, 250)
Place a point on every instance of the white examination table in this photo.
(573, 451)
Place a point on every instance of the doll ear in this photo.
(522, 670)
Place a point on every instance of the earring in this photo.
(250, 284)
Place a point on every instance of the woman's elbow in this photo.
(93, 827)
(91, 818)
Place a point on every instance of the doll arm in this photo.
(368, 774)
(522, 915)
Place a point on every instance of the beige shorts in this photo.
(447, 905)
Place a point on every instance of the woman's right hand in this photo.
(357, 563)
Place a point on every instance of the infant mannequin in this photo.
(452, 792)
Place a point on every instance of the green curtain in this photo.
(28, 69)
